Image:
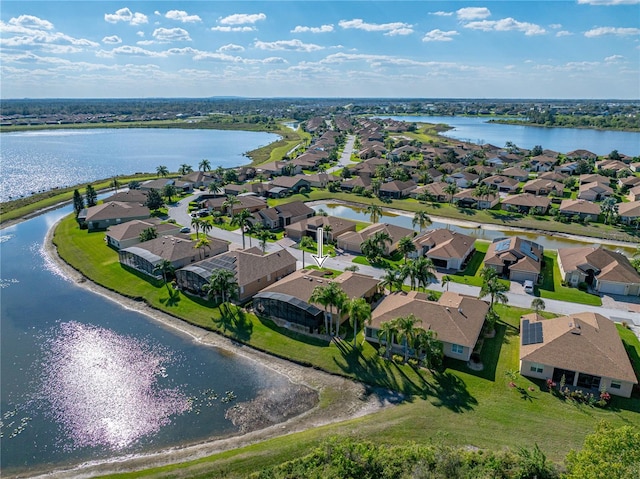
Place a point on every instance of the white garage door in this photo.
(612, 288)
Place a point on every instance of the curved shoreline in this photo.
(355, 398)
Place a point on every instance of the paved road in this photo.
(345, 158)
(616, 310)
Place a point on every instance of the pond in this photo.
(84, 379)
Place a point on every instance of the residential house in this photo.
(128, 234)
(178, 250)
(356, 181)
(469, 199)
(593, 178)
(542, 163)
(595, 191)
(397, 189)
(516, 258)
(527, 203)
(253, 271)
(257, 188)
(616, 166)
(319, 180)
(463, 179)
(581, 208)
(447, 249)
(160, 183)
(456, 319)
(605, 271)
(516, 173)
(629, 212)
(352, 240)
(629, 182)
(277, 168)
(111, 213)
(553, 176)
(582, 350)
(129, 196)
(581, 155)
(283, 215)
(332, 227)
(635, 167)
(503, 184)
(541, 187)
(199, 179)
(287, 185)
(634, 194)
(287, 301)
(434, 190)
(244, 202)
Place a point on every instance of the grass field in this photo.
(551, 286)
(457, 406)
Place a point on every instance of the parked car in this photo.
(528, 286)
(185, 229)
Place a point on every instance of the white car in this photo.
(528, 286)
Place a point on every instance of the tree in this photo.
(492, 287)
(185, 169)
(169, 191)
(407, 332)
(482, 191)
(406, 246)
(202, 244)
(608, 452)
(451, 189)
(148, 234)
(221, 283)
(537, 150)
(426, 271)
(375, 186)
(609, 208)
(206, 227)
(115, 183)
(230, 176)
(388, 330)
(391, 279)
(165, 268)
(537, 304)
(204, 165)
(242, 221)
(78, 202)
(263, 235)
(196, 223)
(162, 171)
(229, 203)
(306, 242)
(359, 312)
(134, 185)
(446, 279)
(426, 343)
(154, 200)
(374, 212)
(331, 296)
(90, 196)
(421, 219)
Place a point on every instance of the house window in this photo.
(616, 385)
(536, 368)
(457, 349)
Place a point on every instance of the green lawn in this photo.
(458, 406)
(471, 274)
(551, 286)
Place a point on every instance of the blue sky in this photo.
(420, 49)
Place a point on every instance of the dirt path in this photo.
(355, 399)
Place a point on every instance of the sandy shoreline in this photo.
(356, 399)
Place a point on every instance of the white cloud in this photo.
(555, 26)
(507, 24)
(613, 58)
(171, 35)
(233, 29)
(609, 2)
(112, 40)
(619, 31)
(472, 13)
(60, 49)
(140, 34)
(25, 35)
(320, 29)
(182, 16)
(439, 36)
(441, 14)
(129, 50)
(563, 33)
(242, 18)
(29, 21)
(231, 48)
(127, 16)
(289, 45)
(390, 29)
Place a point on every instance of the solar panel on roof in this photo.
(531, 332)
(503, 245)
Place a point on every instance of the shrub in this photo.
(583, 286)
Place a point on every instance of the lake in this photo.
(84, 379)
(477, 130)
(487, 233)
(37, 161)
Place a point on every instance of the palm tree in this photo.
(537, 304)
(229, 203)
(426, 272)
(148, 234)
(202, 244)
(391, 279)
(388, 330)
(421, 219)
(162, 171)
(115, 183)
(482, 191)
(165, 268)
(609, 208)
(381, 238)
(185, 169)
(446, 279)
(320, 295)
(330, 296)
(406, 246)
(169, 191)
(371, 250)
(407, 332)
(78, 202)
(359, 312)
(305, 242)
(241, 220)
(223, 283)
(204, 165)
(196, 223)
(451, 189)
(206, 227)
(263, 235)
(326, 229)
(426, 342)
(492, 287)
(374, 212)
(375, 186)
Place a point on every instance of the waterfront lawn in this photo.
(456, 408)
(551, 286)
(471, 274)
